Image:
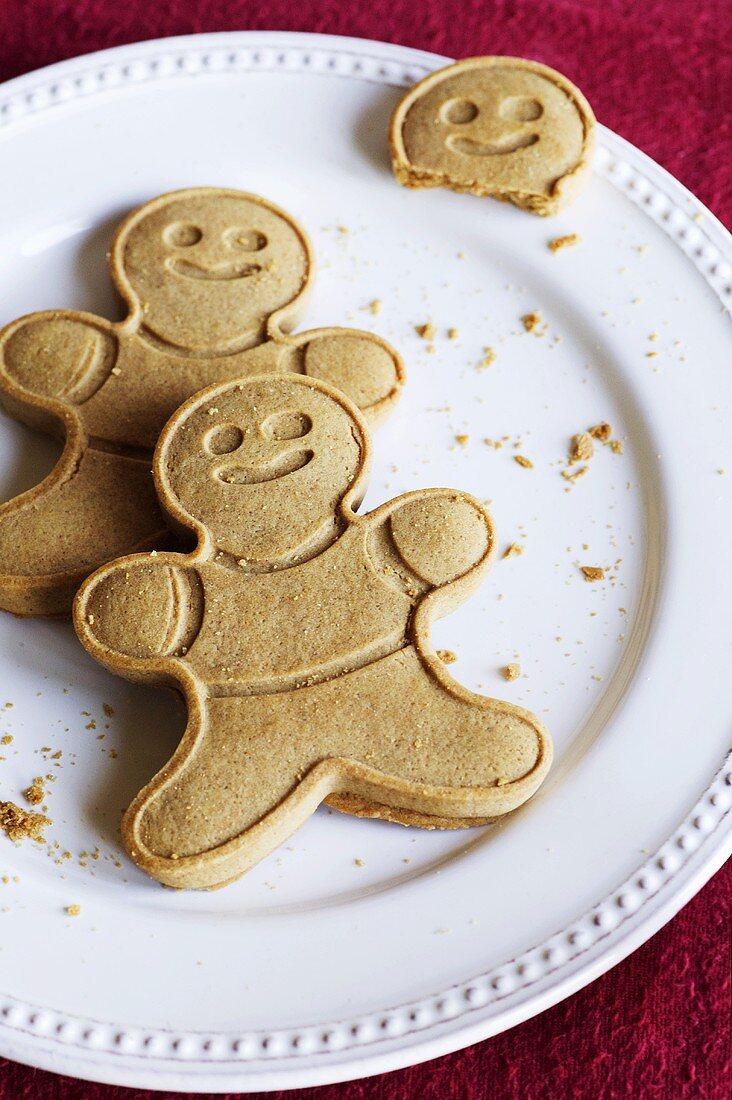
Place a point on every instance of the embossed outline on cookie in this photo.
(562, 191)
(324, 782)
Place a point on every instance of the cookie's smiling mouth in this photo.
(280, 466)
(490, 148)
(225, 271)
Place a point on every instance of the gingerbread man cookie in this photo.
(212, 279)
(500, 126)
(298, 632)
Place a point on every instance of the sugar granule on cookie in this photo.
(342, 698)
(502, 127)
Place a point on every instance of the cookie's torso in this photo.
(274, 631)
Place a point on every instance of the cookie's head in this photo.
(204, 269)
(267, 467)
(493, 125)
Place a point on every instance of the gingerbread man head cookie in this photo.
(206, 269)
(500, 126)
(214, 279)
(299, 634)
(262, 470)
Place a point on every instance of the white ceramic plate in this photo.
(314, 968)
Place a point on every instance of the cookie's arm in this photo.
(439, 539)
(53, 359)
(359, 364)
(138, 613)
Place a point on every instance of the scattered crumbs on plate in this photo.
(462, 439)
(514, 549)
(581, 448)
(452, 334)
(19, 824)
(601, 432)
(574, 475)
(447, 656)
(360, 862)
(524, 461)
(36, 792)
(531, 321)
(426, 331)
(73, 910)
(7, 739)
(108, 710)
(593, 572)
(557, 244)
(489, 357)
(512, 671)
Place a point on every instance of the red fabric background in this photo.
(659, 72)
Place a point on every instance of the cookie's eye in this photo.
(287, 425)
(182, 235)
(459, 111)
(521, 108)
(223, 439)
(248, 240)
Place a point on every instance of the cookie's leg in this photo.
(427, 751)
(359, 364)
(241, 782)
(81, 516)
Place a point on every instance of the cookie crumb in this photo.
(35, 793)
(556, 244)
(7, 739)
(531, 321)
(593, 572)
(489, 357)
(512, 671)
(20, 824)
(447, 656)
(575, 475)
(375, 307)
(601, 432)
(581, 449)
(426, 331)
(73, 910)
(462, 439)
(360, 862)
(524, 461)
(616, 445)
(514, 549)
(452, 334)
